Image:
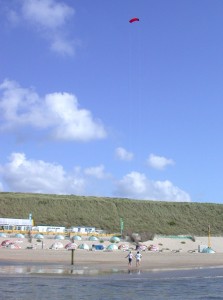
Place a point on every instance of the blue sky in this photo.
(93, 105)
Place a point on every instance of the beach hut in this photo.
(112, 247)
(71, 246)
(2, 234)
(56, 246)
(93, 238)
(83, 246)
(20, 235)
(114, 239)
(59, 237)
(38, 236)
(76, 238)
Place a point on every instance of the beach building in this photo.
(82, 229)
(16, 224)
(48, 229)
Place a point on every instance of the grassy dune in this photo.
(139, 216)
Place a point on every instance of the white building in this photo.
(16, 224)
(82, 229)
(48, 228)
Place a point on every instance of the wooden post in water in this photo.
(72, 256)
(209, 236)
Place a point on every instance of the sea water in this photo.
(28, 282)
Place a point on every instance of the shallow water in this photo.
(31, 283)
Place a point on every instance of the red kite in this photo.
(133, 20)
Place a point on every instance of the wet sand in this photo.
(175, 254)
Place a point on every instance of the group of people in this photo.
(138, 257)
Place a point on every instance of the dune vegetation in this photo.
(155, 217)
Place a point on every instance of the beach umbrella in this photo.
(56, 245)
(2, 234)
(38, 236)
(112, 247)
(83, 246)
(59, 237)
(93, 238)
(114, 239)
(20, 235)
(71, 246)
(76, 238)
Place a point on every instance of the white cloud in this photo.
(37, 176)
(58, 112)
(97, 172)
(49, 14)
(49, 18)
(123, 154)
(159, 162)
(137, 186)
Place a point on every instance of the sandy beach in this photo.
(173, 254)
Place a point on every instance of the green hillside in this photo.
(139, 216)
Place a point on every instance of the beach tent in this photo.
(112, 247)
(98, 247)
(5, 243)
(142, 248)
(114, 239)
(71, 246)
(2, 234)
(59, 237)
(83, 246)
(76, 238)
(208, 250)
(56, 245)
(38, 236)
(20, 236)
(153, 248)
(13, 246)
(93, 238)
(123, 247)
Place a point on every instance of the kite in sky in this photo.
(133, 20)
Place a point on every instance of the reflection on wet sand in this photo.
(60, 270)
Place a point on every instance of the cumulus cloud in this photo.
(97, 172)
(37, 176)
(49, 18)
(123, 154)
(57, 112)
(21, 174)
(137, 186)
(159, 162)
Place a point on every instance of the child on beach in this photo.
(138, 257)
(130, 257)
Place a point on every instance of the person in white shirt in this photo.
(138, 258)
(130, 257)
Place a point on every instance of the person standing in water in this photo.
(130, 257)
(138, 258)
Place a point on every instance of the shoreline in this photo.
(176, 254)
(89, 263)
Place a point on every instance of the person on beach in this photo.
(138, 258)
(130, 257)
